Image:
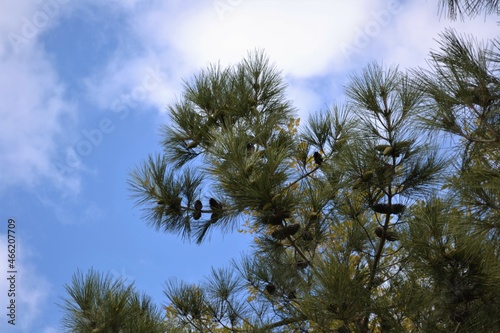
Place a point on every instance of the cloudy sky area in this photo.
(84, 89)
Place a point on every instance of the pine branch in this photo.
(283, 322)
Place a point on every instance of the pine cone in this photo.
(197, 209)
(291, 229)
(381, 148)
(318, 159)
(270, 288)
(388, 151)
(273, 220)
(267, 207)
(216, 208)
(284, 214)
(381, 208)
(197, 214)
(397, 208)
(278, 234)
(390, 236)
(277, 218)
(198, 205)
(214, 204)
(367, 175)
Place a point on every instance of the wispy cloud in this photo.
(34, 110)
(301, 36)
(22, 22)
(305, 39)
(33, 114)
(131, 82)
(416, 30)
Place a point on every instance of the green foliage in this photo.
(463, 90)
(460, 268)
(460, 8)
(99, 303)
(361, 222)
(312, 199)
(169, 198)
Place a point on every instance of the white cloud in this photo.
(34, 111)
(304, 99)
(33, 114)
(21, 22)
(129, 83)
(301, 36)
(30, 288)
(305, 39)
(416, 31)
(13, 17)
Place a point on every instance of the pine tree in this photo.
(463, 92)
(461, 258)
(334, 207)
(363, 220)
(460, 8)
(99, 303)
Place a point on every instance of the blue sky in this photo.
(84, 88)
